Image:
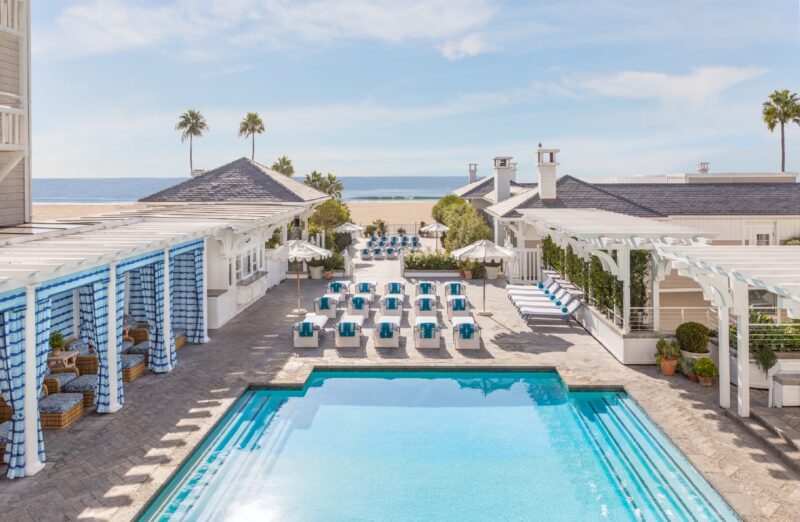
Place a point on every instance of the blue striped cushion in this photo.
(347, 329)
(466, 330)
(324, 303)
(305, 329)
(391, 303)
(427, 330)
(425, 304)
(386, 331)
(459, 305)
(357, 302)
(363, 288)
(426, 288)
(455, 288)
(395, 288)
(336, 286)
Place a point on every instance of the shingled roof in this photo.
(662, 199)
(484, 188)
(240, 180)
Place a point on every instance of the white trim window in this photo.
(249, 261)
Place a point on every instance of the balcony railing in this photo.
(13, 133)
(12, 16)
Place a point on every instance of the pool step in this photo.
(770, 437)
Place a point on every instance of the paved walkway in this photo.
(107, 467)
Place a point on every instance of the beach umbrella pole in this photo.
(484, 312)
(298, 310)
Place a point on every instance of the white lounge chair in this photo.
(455, 288)
(558, 299)
(392, 305)
(305, 334)
(391, 252)
(529, 313)
(394, 287)
(546, 282)
(364, 288)
(348, 331)
(338, 287)
(426, 288)
(783, 383)
(359, 304)
(466, 333)
(327, 305)
(377, 253)
(387, 332)
(427, 332)
(535, 290)
(425, 305)
(457, 305)
(366, 253)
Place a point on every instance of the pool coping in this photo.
(296, 386)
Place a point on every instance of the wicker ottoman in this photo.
(5, 410)
(59, 410)
(85, 385)
(180, 337)
(5, 437)
(132, 366)
(143, 349)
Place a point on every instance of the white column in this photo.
(284, 233)
(624, 264)
(739, 292)
(167, 326)
(76, 314)
(31, 405)
(656, 304)
(724, 358)
(205, 290)
(113, 384)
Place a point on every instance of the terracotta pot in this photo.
(692, 377)
(467, 274)
(668, 366)
(705, 381)
(328, 274)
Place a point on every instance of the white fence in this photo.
(526, 266)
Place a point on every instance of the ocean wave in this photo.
(390, 198)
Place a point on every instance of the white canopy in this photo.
(348, 228)
(434, 228)
(299, 250)
(483, 250)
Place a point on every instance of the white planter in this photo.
(758, 377)
(491, 272)
(315, 272)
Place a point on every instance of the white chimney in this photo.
(198, 172)
(473, 172)
(702, 167)
(547, 173)
(504, 173)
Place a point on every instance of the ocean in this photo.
(125, 190)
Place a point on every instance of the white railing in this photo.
(670, 317)
(12, 15)
(12, 127)
(526, 265)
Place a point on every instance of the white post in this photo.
(113, 384)
(624, 264)
(724, 358)
(656, 305)
(31, 405)
(284, 233)
(76, 314)
(205, 290)
(167, 326)
(739, 292)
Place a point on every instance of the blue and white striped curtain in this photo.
(162, 344)
(99, 298)
(136, 298)
(120, 291)
(62, 313)
(86, 325)
(43, 311)
(12, 386)
(187, 293)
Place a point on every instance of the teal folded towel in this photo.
(347, 329)
(391, 303)
(306, 329)
(357, 302)
(365, 251)
(425, 305)
(363, 288)
(336, 287)
(390, 251)
(466, 330)
(455, 289)
(564, 309)
(459, 305)
(426, 288)
(377, 251)
(385, 331)
(395, 288)
(324, 303)
(427, 330)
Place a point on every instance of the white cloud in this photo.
(471, 45)
(203, 29)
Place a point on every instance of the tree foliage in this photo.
(329, 184)
(445, 207)
(465, 228)
(284, 166)
(781, 107)
(330, 215)
(251, 125)
(191, 124)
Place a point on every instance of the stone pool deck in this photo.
(107, 467)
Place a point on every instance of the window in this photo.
(248, 262)
(230, 272)
(762, 239)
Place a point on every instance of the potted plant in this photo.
(57, 342)
(706, 370)
(492, 268)
(401, 231)
(693, 340)
(686, 367)
(315, 267)
(667, 355)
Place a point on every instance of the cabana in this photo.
(726, 274)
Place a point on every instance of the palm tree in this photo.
(192, 124)
(284, 166)
(250, 126)
(328, 184)
(781, 107)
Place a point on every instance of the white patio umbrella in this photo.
(297, 250)
(435, 228)
(483, 251)
(348, 228)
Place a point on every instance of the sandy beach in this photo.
(364, 212)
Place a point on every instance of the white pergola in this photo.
(592, 232)
(726, 273)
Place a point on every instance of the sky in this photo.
(412, 87)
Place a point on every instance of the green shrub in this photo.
(667, 350)
(342, 240)
(370, 230)
(380, 227)
(466, 227)
(330, 215)
(686, 366)
(476, 267)
(444, 207)
(315, 262)
(692, 337)
(334, 262)
(427, 260)
(401, 231)
(705, 367)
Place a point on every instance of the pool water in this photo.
(436, 446)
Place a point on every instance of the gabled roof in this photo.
(484, 189)
(240, 180)
(572, 193)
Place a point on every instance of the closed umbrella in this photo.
(297, 250)
(483, 250)
(435, 228)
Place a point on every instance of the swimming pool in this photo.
(436, 446)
